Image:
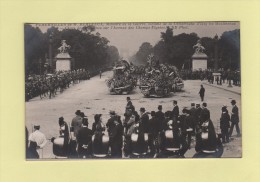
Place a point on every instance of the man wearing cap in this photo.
(234, 119)
(76, 123)
(175, 111)
(84, 135)
(37, 139)
(202, 93)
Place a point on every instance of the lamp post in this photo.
(50, 51)
(216, 53)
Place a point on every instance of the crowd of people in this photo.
(48, 85)
(225, 76)
(154, 134)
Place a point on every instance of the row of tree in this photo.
(178, 50)
(88, 49)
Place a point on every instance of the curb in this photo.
(223, 88)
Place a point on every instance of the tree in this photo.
(229, 44)
(144, 51)
(34, 49)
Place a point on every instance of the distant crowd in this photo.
(225, 76)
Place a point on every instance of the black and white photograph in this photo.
(132, 90)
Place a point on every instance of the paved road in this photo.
(92, 97)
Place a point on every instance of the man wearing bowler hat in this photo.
(234, 119)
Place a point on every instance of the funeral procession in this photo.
(132, 90)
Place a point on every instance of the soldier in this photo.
(234, 119)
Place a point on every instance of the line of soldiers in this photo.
(49, 84)
(163, 135)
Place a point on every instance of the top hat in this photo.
(192, 104)
(197, 104)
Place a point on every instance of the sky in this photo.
(128, 37)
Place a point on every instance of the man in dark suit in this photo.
(159, 114)
(193, 117)
(175, 111)
(144, 121)
(197, 117)
(129, 104)
(115, 132)
(202, 93)
(205, 114)
(154, 129)
(84, 138)
(234, 119)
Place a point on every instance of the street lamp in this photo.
(50, 51)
